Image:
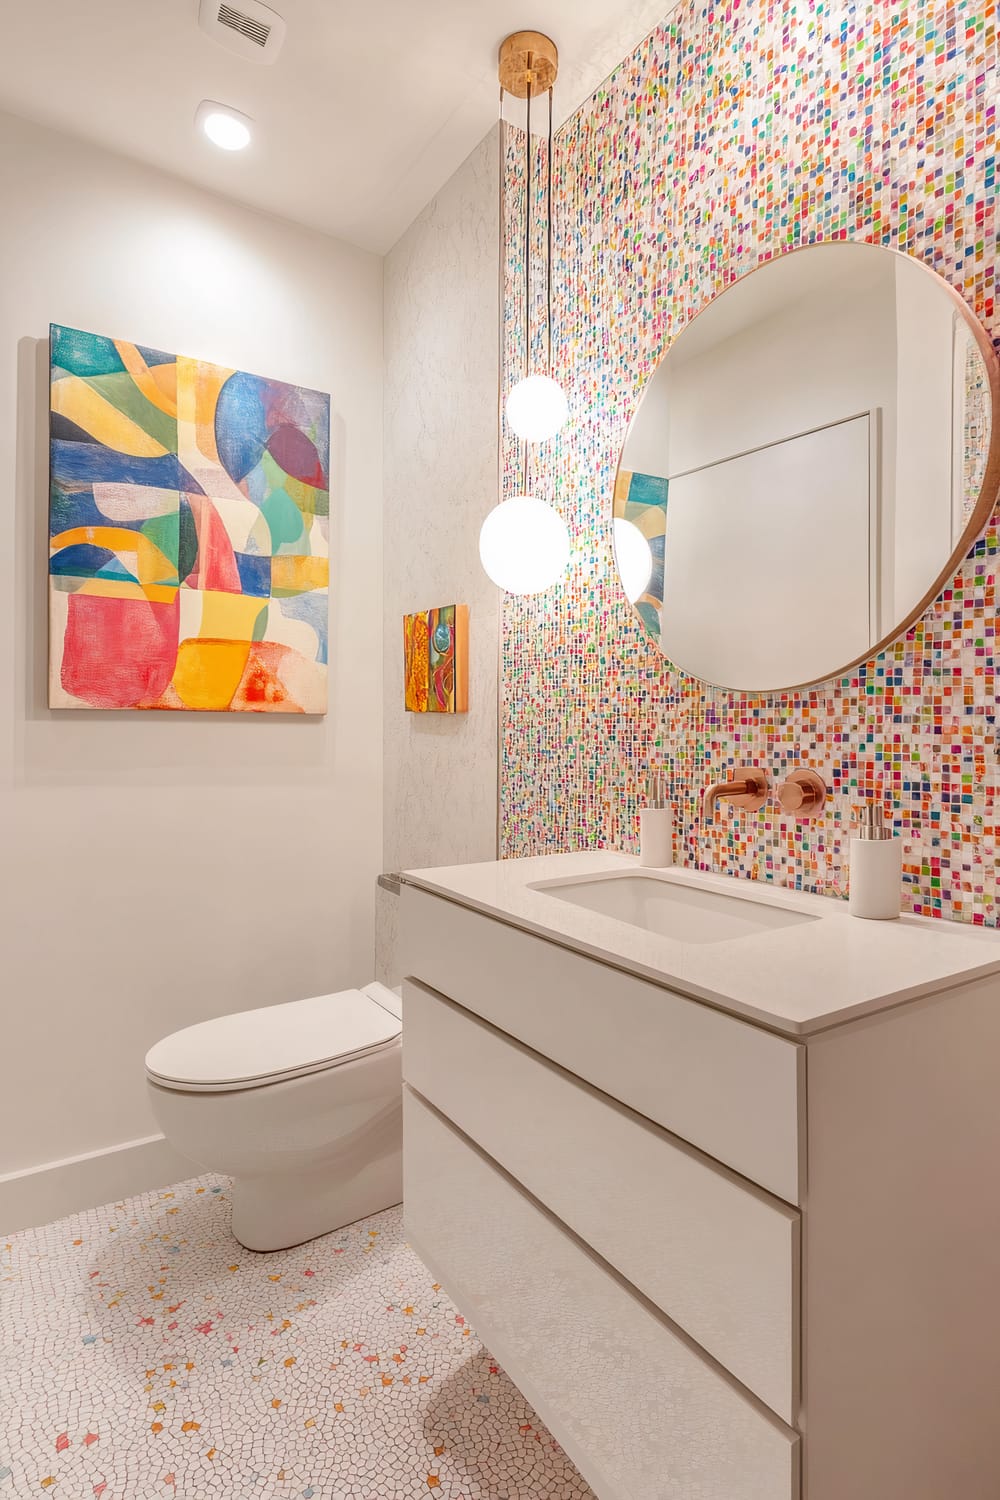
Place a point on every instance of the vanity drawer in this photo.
(718, 1256)
(639, 1412)
(732, 1089)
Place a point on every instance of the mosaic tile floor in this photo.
(145, 1354)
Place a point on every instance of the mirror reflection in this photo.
(808, 459)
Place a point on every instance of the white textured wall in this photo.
(440, 481)
(158, 869)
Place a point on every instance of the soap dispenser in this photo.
(876, 872)
(656, 825)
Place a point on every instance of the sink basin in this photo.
(672, 909)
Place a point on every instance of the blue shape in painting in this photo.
(255, 575)
(313, 609)
(241, 424)
(71, 508)
(87, 463)
(82, 560)
(648, 489)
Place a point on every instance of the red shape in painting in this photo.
(215, 567)
(297, 455)
(119, 653)
(261, 688)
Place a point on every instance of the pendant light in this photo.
(536, 406)
(524, 543)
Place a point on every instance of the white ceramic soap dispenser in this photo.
(876, 873)
(656, 824)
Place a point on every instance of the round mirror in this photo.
(810, 460)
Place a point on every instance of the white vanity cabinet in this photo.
(724, 1260)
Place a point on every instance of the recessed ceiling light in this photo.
(225, 127)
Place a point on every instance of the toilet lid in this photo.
(272, 1043)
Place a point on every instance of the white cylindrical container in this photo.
(656, 836)
(876, 874)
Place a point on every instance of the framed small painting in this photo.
(436, 660)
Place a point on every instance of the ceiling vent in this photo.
(245, 27)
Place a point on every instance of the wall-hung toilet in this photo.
(301, 1104)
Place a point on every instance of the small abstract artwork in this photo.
(436, 660)
(189, 533)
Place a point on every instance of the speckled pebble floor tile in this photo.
(145, 1354)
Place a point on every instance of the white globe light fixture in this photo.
(536, 408)
(524, 545)
(634, 557)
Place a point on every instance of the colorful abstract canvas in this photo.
(436, 660)
(189, 533)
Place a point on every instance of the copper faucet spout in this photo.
(723, 789)
(747, 789)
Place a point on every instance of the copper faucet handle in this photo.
(804, 794)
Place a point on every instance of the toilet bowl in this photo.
(301, 1104)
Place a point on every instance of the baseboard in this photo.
(38, 1195)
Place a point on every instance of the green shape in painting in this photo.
(284, 520)
(125, 396)
(187, 539)
(164, 532)
(80, 353)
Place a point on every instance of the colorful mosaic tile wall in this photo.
(733, 133)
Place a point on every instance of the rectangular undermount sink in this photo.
(674, 910)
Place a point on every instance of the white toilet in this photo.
(301, 1104)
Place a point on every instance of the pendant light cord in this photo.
(501, 465)
(548, 258)
(527, 249)
(501, 294)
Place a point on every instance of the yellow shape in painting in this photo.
(229, 617)
(198, 387)
(622, 482)
(649, 519)
(208, 672)
(152, 565)
(116, 588)
(79, 403)
(112, 588)
(297, 575)
(142, 375)
(165, 379)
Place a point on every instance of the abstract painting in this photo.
(436, 660)
(189, 533)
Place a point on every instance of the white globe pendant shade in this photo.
(634, 558)
(524, 545)
(536, 408)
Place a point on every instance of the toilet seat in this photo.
(276, 1042)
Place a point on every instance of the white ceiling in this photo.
(370, 107)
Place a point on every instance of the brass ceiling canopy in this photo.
(528, 63)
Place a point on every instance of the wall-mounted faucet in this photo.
(748, 789)
(803, 794)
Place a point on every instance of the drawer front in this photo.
(732, 1089)
(719, 1257)
(639, 1412)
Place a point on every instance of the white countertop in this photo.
(796, 979)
